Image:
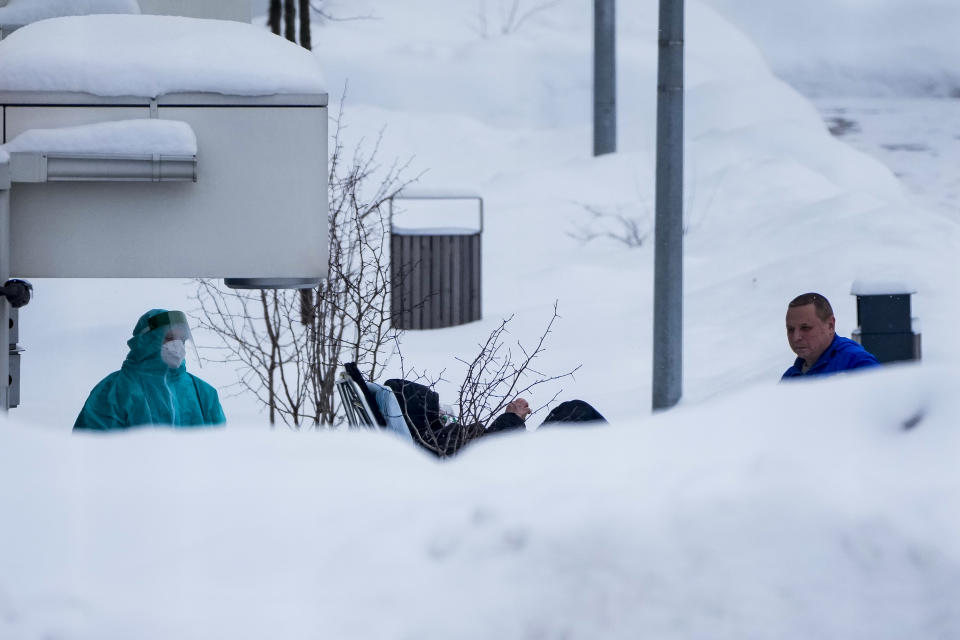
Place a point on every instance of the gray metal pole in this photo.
(604, 77)
(4, 276)
(668, 250)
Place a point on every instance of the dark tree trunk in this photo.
(290, 20)
(273, 18)
(308, 309)
(305, 24)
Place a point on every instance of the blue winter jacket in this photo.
(843, 354)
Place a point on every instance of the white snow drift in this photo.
(806, 510)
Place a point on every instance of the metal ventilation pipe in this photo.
(66, 167)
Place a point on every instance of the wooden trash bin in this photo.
(435, 272)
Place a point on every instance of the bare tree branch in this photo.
(322, 9)
(496, 375)
(289, 345)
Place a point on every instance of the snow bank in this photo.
(148, 56)
(854, 47)
(133, 137)
(786, 511)
(20, 12)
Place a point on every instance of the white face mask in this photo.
(173, 352)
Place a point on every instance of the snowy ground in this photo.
(918, 138)
(746, 518)
(752, 511)
(884, 71)
(855, 48)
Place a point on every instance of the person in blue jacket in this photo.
(153, 386)
(820, 351)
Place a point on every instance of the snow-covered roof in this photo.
(867, 287)
(21, 12)
(149, 56)
(122, 137)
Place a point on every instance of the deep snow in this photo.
(748, 517)
(918, 138)
(876, 48)
(753, 510)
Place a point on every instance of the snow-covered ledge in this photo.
(149, 56)
(123, 150)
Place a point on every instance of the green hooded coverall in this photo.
(146, 391)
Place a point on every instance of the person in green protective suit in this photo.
(153, 386)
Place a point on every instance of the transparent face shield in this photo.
(174, 326)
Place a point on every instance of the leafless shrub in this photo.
(288, 345)
(617, 225)
(413, 374)
(326, 11)
(492, 378)
(506, 16)
(496, 374)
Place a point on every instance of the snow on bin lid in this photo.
(149, 56)
(863, 287)
(21, 12)
(122, 137)
(440, 193)
(434, 231)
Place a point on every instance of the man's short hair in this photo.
(820, 304)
